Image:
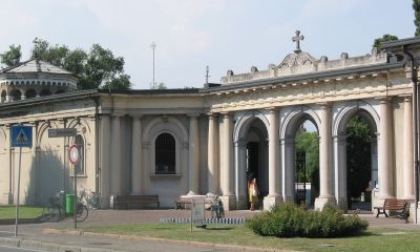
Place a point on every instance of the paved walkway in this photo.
(47, 236)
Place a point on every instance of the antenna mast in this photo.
(207, 74)
(153, 46)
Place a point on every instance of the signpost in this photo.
(74, 157)
(197, 212)
(21, 136)
(65, 132)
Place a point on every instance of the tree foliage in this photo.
(359, 140)
(306, 155)
(160, 85)
(98, 68)
(12, 56)
(416, 7)
(385, 38)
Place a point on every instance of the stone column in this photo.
(136, 157)
(340, 168)
(213, 154)
(241, 177)
(288, 187)
(274, 190)
(116, 164)
(105, 154)
(194, 156)
(326, 173)
(226, 163)
(408, 150)
(385, 150)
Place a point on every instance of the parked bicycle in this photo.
(55, 211)
(217, 210)
(90, 198)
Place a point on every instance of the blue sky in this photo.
(193, 34)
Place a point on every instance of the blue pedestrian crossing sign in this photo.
(21, 136)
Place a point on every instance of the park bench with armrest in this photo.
(395, 207)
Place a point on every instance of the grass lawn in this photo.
(375, 239)
(9, 212)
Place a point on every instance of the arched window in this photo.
(81, 144)
(165, 154)
(16, 95)
(30, 94)
(45, 92)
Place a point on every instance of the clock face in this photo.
(74, 154)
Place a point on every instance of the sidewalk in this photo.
(47, 236)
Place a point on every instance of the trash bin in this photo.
(69, 204)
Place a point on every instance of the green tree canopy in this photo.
(306, 154)
(98, 68)
(359, 141)
(12, 56)
(385, 38)
(416, 7)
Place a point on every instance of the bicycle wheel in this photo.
(82, 212)
(51, 214)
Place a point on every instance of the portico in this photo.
(191, 142)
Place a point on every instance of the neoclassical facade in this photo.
(198, 141)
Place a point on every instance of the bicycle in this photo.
(91, 198)
(55, 211)
(217, 210)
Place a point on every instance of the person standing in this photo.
(253, 193)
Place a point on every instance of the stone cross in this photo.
(297, 39)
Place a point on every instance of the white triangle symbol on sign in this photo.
(22, 138)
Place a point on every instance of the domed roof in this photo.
(35, 66)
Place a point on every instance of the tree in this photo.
(416, 7)
(385, 38)
(307, 152)
(359, 140)
(160, 85)
(12, 56)
(98, 68)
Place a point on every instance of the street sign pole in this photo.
(18, 194)
(21, 136)
(74, 157)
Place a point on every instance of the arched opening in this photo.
(45, 92)
(306, 162)
(3, 96)
(362, 174)
(165, 154)
(31, 93)
(257, 158)
(16, 95)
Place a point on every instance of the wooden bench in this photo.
(135, 201)
(396, 207)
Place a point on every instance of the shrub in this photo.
(289, 220)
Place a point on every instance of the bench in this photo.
(396, 207)
(135, 201)
(182, 203)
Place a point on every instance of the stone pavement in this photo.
(49, 237)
